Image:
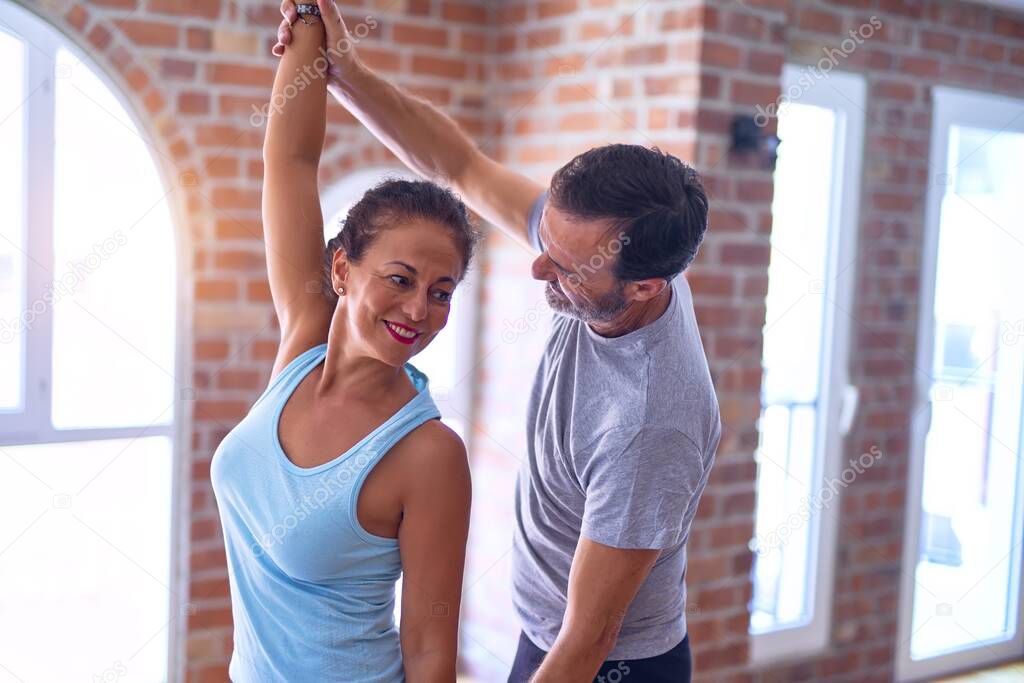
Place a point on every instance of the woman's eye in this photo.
(399, 280)
(444, 297)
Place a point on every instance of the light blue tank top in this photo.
(312, 592)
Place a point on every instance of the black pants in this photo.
(672, 667)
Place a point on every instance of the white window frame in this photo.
(844, 93)
(951, 107)
(33, 424)
(457, 404)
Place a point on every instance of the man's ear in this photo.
(645, 290)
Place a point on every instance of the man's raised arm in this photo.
(428, 141)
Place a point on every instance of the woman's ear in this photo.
(339, 271)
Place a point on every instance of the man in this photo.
(623, 420)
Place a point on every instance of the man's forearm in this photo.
(574, 658)
(426, 140)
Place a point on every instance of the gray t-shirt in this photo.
(621, 436)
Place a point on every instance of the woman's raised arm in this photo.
(292, 220)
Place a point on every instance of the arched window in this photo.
(448, 361)
(87, 355)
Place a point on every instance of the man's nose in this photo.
(541, 269)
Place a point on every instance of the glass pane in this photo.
(113, 348)
(969, 545)
(788, 461)
(85, 582)
(14, 316)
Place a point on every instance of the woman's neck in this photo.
(346, 372)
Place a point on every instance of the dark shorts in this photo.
(672, 667)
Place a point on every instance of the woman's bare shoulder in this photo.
(434, 441)
(433, 455)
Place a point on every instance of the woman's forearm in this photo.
(298, 106)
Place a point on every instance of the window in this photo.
(960, 602)
(87, 355)
(448, 361)
(805, 397)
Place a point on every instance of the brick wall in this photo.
(538, 81)
(674, 74)
(920, 45)
(193, 70)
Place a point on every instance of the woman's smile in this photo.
(402, 333)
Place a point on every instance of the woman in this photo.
(340, 479)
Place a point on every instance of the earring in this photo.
(341, 291)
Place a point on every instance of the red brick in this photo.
(939, 40)
(765, 62)
(118, 4)
(241, 74)
(580, 121)
(235, 105)
(208, 673)
(78, 17)
(213, 409)
(204, 529)
(820, 22)
(555, 8)
(745, 254)
(986, 50)
(1011, 27)
(716, 53)
(444, 67)
(473, 41)
(154, 102)
(207, 559)
(100, 37)
(895, 90)
(1012, 83)
(205, 589)
(380, 60)
(922, 67)
(137, 79)
(463, 12)
(544, 37)
(193, 103)
(199, 39)
(150, 33)
(258, 291)
(235, 198)
(240, 379)
(744, 25)
(415, 34)
(205, 9)
(642, 55)
(216, 290)
(753, 93)
(215, 135)
(233, 228)
(681, 19)
(206, 617)
(177, 69)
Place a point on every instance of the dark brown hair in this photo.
(653, 198)
(387, 204)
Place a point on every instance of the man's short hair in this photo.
(655, 199)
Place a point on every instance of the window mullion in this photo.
(39, 271)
